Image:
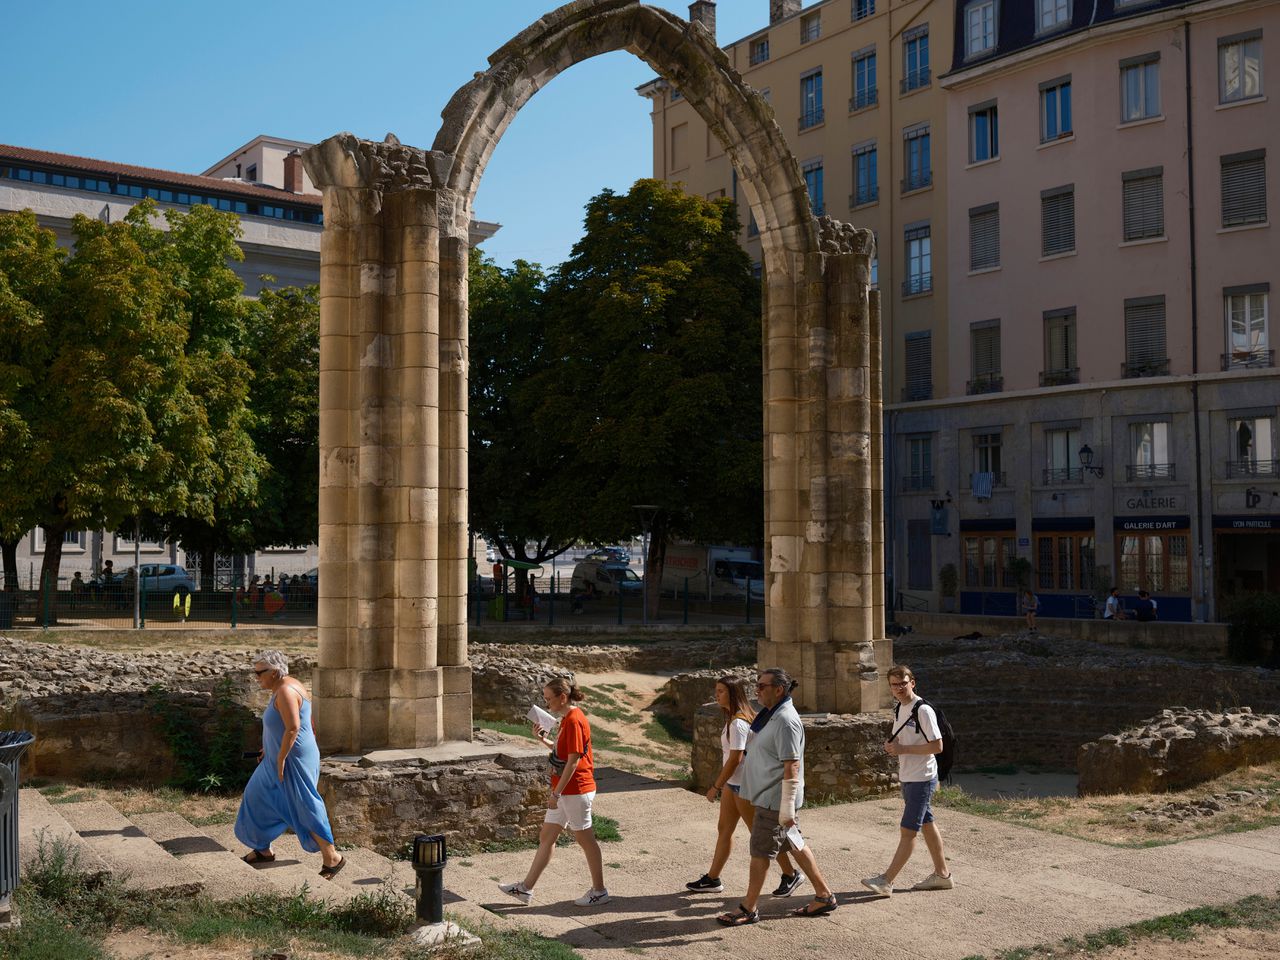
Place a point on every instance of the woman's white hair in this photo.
(276, 660)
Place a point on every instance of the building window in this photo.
(811, 113)
(919, 172)
(1144, 338)
(1061, 452)
(984, 237)
(1240, 67)
(920, 463)
(1058, 220)
(811, 27)
(864, 80)
(676, 95)
(984, 353)
(1140, 87)
(919, 261)
(1244, 188)
(1246, 312)
(980, 27)
(812, 171)
(1065, 561)
(1143, 203)
(984, 132)
(1154, 562)
(252, 172)
(1052, 14)
(1055, 109)
(918, 349)
(1252, 452)
(986, 456)
(915, 59)
(1149, 451)
(987, 559)
(759, 51)
(1059, 348)
(680, 146)
(863, 9)
(866, 188)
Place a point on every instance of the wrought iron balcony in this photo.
(864, 197)
(915, 80)
(921, 283)
(918, 481)
(1150, 471)
(917, 391)
(985, 383)
(1248, 359)
(811, 118)
(1056, 378)
(916, 180)
(1145, 368)
(1058, 475)
(1253, 468)
(863, 99)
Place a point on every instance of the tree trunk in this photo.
(48, 599)
(654, 563)
(208, 560)
(9, 553)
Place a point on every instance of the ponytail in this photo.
(562, 686)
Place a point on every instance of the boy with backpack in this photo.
(917, 742)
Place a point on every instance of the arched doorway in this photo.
(393, 505)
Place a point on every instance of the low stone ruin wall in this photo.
(493, 798)
(503, 688)
(1026, 699)
(659, 656)
(685, 693)
(1176, 749)
(844, 756)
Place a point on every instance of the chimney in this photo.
(704, 12)
(293, 172)
(781, 9)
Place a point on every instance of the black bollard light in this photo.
(429, 858)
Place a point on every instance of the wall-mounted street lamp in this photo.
(1086, 461)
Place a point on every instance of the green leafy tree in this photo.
(653, 374)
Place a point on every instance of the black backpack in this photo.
(947, 758)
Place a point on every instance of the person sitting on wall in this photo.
(1146, 610)
(78, 588)
(1113, 610)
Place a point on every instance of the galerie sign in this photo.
(1149, 502)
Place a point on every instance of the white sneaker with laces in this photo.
(935, 881)
(878, 884)
(518, 891)
(593, 898)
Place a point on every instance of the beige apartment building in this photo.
(1110, 405)
(854, 87)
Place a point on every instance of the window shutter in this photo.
(1144, 204)
(984, 237)
(1060, 337)
(1144, 341)
(986, 351)
(1058, 220)
(919, 363)
(1244, 188)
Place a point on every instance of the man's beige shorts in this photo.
(768, 836)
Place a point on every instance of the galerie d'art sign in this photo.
(1147, 524)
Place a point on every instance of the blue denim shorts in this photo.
(917, 812)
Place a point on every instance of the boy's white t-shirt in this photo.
(914, 767)
(733, 736)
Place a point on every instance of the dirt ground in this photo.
(1230, 944)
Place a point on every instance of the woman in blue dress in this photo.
(282, 792)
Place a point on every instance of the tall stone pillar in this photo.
(380, 680)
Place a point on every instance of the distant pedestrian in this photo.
(1113, 610)
(1030, 606)
(573, 792)
(916, 740)
(773, 781)
(735, 737)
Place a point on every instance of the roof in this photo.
(65, 161)
(260, 138)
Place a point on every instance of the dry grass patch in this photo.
(292, 640)
(1140, 820)
(200, 809)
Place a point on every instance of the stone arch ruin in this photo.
(393, 668)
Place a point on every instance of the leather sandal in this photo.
(739, 919)
(258, 856)
(329, 873)
(827, 904)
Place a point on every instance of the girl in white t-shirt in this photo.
(735, 736)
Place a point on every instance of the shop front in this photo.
(1246, 549)
(1154, 554)
(1064, 557)
(987, 548)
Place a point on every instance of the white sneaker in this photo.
(935, 881)
(878, 884)
(593, 898)
(518, 891)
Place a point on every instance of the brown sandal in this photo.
(258, 856)
(328, 873)
(827, 904)
(739, 919)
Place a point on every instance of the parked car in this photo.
(609, 555)
(609, 578)
(165, 578)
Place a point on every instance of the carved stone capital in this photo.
(346, 161)
(837, 237)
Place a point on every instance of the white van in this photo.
(609, 578)
(713, 573)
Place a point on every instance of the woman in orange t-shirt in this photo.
(573, 789)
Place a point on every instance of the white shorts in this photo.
(573, 811)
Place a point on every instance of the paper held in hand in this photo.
(543, 719)
(795, 837)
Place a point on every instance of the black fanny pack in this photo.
(557, 764)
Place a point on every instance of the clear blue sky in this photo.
(180, 85)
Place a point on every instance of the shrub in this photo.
(1253, 625)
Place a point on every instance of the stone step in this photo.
(224, 874)
(40, 821)
(135, 858)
